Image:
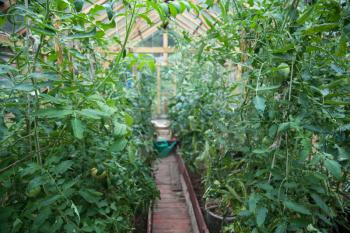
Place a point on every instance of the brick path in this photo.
(170, 213)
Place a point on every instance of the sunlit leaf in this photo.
(78, 128)
(333, 167)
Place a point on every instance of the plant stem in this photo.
(122, 51)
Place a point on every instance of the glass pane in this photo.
(155, 40)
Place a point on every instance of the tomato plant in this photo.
(264, 109)
(75, 150)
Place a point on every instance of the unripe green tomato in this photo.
(93, 172)
(265, 140)
(283, 70)
(34, 192)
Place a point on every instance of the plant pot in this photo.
(214, 220)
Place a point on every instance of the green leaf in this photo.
(78, 5)
(210, 3)
(173, 10)
(93, 113)
(109, 10)
(44, 76)
(297, 207)
(53, 99)
(96, 9)
(78, 128)
(208, 21)
(63, 166)
(43, 215)
(261, 214)
(54, 113)
(184, 5)
(62, 4)
(333, 167)
(30, 169)
(90, 195)
(82, 35)
(347, 29)
(76, 211)
(120, 129)
(259, 103)
(37, 181)
(305, 15)
(146, 18)
(269, 88)
(105, 108)
(342, 153)
(179, 8)
(128, 119)
(28, 87)
(16, 225)
(6, 83)
(281, 228)
(341, 49)
(261, 150)
(44, 30)
(164, 7)
(119, 145)
(252, 202)
(320, 28)
(50, 200)
(320, 203)
(4, 69)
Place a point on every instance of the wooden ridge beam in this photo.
(190, 18)
(146, 33)
(201, 18)
(188, 28)
(183, 24)
(142, 26)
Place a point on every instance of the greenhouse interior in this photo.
(174, 116)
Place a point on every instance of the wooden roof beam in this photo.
(154, 17)
(201, 18)
(142, 25)
(146, 33)
(184, 24)
(191, 18)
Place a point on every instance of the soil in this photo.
(141, 221)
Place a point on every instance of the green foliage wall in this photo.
(75, 146)
(274, 143)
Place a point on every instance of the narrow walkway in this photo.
(170, 214)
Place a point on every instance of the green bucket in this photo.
(164, 147)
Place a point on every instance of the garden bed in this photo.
(141, 221)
